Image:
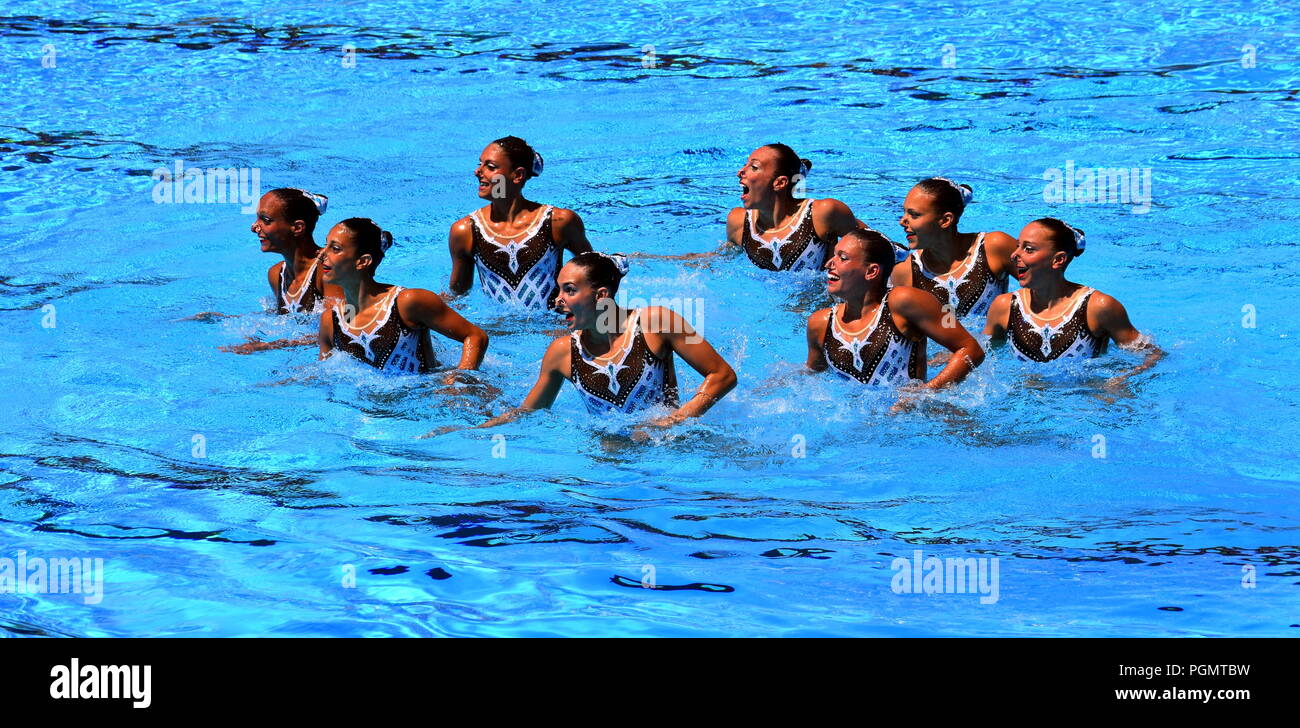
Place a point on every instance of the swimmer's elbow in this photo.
(479, 339)
(726, 379)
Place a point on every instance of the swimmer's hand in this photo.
(207, 316)
(644, 431)
(458, 376)
(441, 431)
(252, 345)
(1114, 389)
(909, 400)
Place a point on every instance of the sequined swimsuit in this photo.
(969, 291)
(304, 299)
(884, 356)
(1070, 339)
(635, 379)
(800, 249)
(520, 272)
(389, 345)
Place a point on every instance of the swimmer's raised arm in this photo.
(569, 231)
(555, 369)
(817, 324)
(460, 242)
(735, 220)
(325, 335)
(719, 377)
(924, 312)
(1107, 316)
(999, 313)
(425, 308)
(273, 278)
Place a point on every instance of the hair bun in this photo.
(385, 240)
(1079, 239)
(538, 164)
(618, 259)
(320, 201)
(967, 194)
(805, 167)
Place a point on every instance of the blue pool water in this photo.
(788, 503)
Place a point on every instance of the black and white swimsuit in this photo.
(304, 299)
(970, 289)
(632, 380)
(880, 356)
(518, 271)
(1070, 338)
(386, 344)
(800, 249)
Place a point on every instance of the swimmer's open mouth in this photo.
(1021, 270)
(831, 276)
(744, 190)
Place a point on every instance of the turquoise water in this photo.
(311, 509)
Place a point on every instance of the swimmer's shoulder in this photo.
(829, 206)
(557, 357)
(817, 324)
(563, 217)
(1105, 313)
(461, 235)
(735, 220)
(999, 314)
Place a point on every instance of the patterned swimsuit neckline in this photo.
(843, 327)
(793, 225)
(1040, 322)
(485, 227)
(629, 334)
(385, 305)
(293, 299)
(963, 269)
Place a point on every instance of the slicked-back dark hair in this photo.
(519, 153)
(1062, 235)
(787, 162)
(946, 197)
(368, 236)
(876, 246)
(600, 270)
(297, 206)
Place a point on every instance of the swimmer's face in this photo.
(576, 300)
(847, 269)
(339, 262)
(496, 179)
(921, 220)
(1037, 256)
(273, 227)
(759, 181)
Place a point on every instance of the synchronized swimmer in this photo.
(384, 325)
(891, 299)
(515, 244)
